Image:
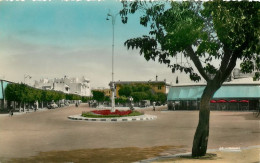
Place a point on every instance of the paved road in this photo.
(27, 134)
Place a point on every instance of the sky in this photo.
(51, 39)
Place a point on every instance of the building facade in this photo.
(234, 95)
(79, 86)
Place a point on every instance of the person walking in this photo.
(11, 113)
(154, 106)
(34, 108)
(27, 107)
(36, 104)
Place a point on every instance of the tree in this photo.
(201, 32)
(107, 98)
(122, 100)
(11, 92)
(98, 95)
(125, 90)
(161, 97)
(139, 96)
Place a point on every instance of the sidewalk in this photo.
(25, 111)
(245, 154)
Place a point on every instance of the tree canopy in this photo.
(141, 92)
(201, 32)
(125, 91)
(98, 95)
(24, 93)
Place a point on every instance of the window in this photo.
(159, 87)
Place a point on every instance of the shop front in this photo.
(228, 97)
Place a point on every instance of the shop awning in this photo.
(225, 92)
(4, 86)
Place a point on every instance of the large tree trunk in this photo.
(200, 141)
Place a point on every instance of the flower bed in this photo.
(109, 114)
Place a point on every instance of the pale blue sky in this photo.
(57, 38)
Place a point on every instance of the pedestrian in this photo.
(11, 111)
(27, 107)
(34, 108)
(154, 106)
(37, 104)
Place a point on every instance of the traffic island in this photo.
(144, 117)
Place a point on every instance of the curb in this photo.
(120, 119)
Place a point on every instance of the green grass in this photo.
(91, 115)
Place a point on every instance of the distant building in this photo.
(44, 84)
(237, 74)
(79, 86)
(156, 86)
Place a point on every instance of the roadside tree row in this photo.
(24, 94)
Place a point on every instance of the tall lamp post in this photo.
(26, 76)
(112, 86)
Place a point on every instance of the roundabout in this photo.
(114, 119)
(106, 115)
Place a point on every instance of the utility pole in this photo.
(112, 86)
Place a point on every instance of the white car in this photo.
(52, 106)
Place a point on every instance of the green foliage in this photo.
(200, 31)
(139, 92)
(24, 93)
(12, 92)
(107, 98)
(121, 100)
(138, 96)
(98, 95)
(85, 98)
(161, 97)
(125, 90)
(73, 97)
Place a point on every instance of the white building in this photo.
(79, 86)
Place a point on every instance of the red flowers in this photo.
(108, 112)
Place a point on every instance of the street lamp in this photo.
(113, 17)
(131, 104)
(26, 76)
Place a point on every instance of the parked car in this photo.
(158, 103)
(145, 103)
(67, 103)
(52, 105)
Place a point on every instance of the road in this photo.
(26, 135)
